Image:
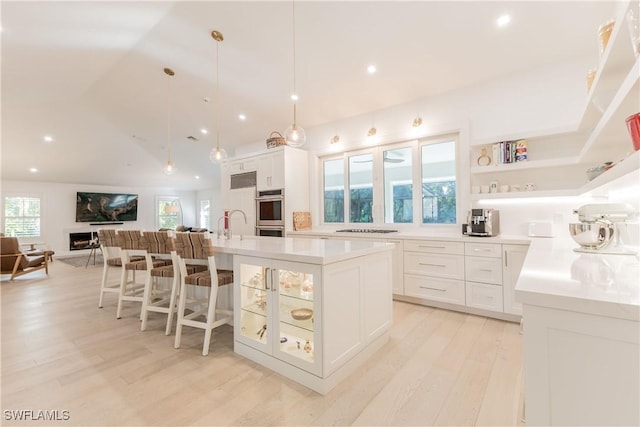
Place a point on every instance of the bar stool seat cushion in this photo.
(167, 270)
(203, 278)
(117, 262)
(142, 265)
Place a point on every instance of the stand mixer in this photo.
(600, 224)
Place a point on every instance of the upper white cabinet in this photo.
(557, 161)
(271, 171)
(277, 168)
(243, 165)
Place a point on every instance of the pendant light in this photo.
(169, 168)
(294, 135)
(218, 154)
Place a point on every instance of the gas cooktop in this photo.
(365, 230)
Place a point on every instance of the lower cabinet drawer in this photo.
(434, 288)
(484, 296)
(447, 266)
(485, 270)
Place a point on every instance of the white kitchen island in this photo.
(311, 310)
(581, 316)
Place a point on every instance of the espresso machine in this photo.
(600, 228)
(483, 222)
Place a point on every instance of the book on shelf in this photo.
(506, 152)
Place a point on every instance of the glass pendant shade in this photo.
(169, 168)
(218, 155)
(295, 136)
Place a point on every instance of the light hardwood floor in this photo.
(60, 352)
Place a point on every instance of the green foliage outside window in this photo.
(439, 202)
(361, 205)
(22, 216)
(334, 206)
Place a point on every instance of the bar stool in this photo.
(194, 247)
(133, 243)
(162, 246)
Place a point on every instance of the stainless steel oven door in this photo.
(270, 211)
(270, 231)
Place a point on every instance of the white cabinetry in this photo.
(280, 320)
(434, 270)
(242, 165)
(397, 284)
(581, 369)
(278, 168)
(600, 136)
(514, 256)
(271, 171)
(268, 294)
(483, 275)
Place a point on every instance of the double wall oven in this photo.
(270, 213)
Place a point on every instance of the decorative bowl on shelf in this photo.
(302, 313)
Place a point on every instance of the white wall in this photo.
(59, 205)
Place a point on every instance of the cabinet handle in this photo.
(506, 259)
(433, 289)
(431, 265)
(486, 270)
(431, 247)
(481, 250)
(274, 287)
(267, 281)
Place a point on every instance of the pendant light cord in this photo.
(217, 104)
(293, 10)
(169, 116)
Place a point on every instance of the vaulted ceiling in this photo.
(90, 74)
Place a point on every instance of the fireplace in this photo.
(79, 241)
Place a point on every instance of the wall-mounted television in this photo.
(106, 207)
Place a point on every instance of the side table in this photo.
(94, 248)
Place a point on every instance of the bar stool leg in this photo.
(172, 304)
(182, 302)
(211, 318)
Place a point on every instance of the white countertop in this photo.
(311, 251)
(416, 235)
(555, 276)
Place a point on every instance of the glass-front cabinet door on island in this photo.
(278, 313)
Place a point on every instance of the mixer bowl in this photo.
(592, 236)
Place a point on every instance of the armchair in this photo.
(15, 262)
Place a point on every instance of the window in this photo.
(398, 185)
(205, 214)
(169, 212)
(361, 188)
(334, 190)
(439, 183)
(416, 181)
(22, 216)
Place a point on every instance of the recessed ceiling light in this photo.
(242, 117)
(503, 21)
(197, 177)
(294, 97)
(371, 69)
(204, 131)
(33, 170)
(48, 138)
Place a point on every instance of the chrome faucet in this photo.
(229, 234)
(219, 231)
